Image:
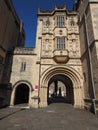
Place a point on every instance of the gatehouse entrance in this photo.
(60, 90)
(21, 94)
(61, 83)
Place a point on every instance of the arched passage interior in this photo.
(60, 89)
(21, 94)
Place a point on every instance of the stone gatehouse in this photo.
(64, 63)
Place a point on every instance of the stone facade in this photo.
(66, 51)
(87, 10)
(24, 70)
(11, 35)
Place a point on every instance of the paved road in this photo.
(56, 116)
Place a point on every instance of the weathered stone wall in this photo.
(88, 36)
(11, 35)
(29, 75)
(95, 67)
(94, 47)
(9, 32)
(19, 58)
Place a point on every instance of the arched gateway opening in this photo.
(21, 94)
(60, 90)
(62, 82)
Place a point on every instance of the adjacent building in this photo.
(11, 35)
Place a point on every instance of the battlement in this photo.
(24, 51)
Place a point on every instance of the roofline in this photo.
(10, 5)
(56, 9)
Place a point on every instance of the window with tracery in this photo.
(60, 43)
(60, 21)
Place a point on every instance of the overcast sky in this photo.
(27, 12)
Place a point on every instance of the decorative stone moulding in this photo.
(61, 56)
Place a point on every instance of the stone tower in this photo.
(58, 46)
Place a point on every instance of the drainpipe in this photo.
(39, 62)
(92, 77)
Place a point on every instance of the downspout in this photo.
(92, 77)
(39, 73)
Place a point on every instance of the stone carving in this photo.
(74, 45)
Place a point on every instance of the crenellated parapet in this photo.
(24, 51)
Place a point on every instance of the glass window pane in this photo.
(60, 21)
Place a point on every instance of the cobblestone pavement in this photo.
(56, 116)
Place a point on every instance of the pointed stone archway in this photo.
(69, 74)
(21, 93)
